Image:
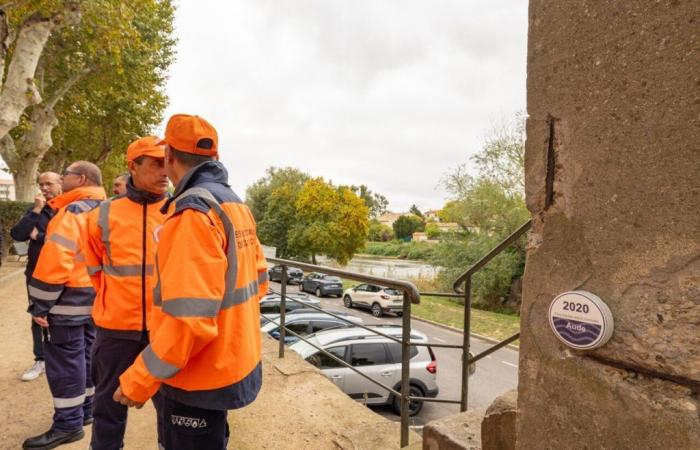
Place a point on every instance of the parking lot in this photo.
(495, 374)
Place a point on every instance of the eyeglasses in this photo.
(70, 172)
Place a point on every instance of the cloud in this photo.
(389, 94)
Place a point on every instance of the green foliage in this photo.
(257, 196)
(10, 213)
(378, 232)
(121, 51)
(415, 211)
(488, 207)
(376, 203)
(414, 250)
(432, 230)
(329, 220)
(405, 226)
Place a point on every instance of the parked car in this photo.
(377, 299)
(294, 275)
(375, 356)
(270, 304)
(322, 284)
(307, 323)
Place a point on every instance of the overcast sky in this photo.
(386, 93)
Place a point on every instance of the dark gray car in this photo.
(322, 284)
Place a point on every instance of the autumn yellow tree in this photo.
(330, 220)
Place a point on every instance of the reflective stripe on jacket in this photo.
(120, 255)
(60, 285)
(205, 326)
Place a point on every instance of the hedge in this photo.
(10, 213)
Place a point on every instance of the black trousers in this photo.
(190, 428)
(111, 357)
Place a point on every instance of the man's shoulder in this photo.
(82, 206)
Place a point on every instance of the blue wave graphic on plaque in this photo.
(578, 333)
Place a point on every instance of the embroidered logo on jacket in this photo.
(190, 422)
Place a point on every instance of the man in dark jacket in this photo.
(32, 227)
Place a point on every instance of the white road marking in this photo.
(510, 364)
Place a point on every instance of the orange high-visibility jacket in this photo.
(120, 255)
(60, 286)
(205, 325)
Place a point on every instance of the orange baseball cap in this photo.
(146, 146)
(191, 134)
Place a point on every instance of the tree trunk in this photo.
(313, 259)
(23, 157)
(25, 180)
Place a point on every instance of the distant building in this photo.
(7, 190)
(446, 227)
(388, 218)
(432, 214)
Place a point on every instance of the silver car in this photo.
(375, 356)
(307, 323)
(271, 304)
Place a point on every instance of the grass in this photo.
(447, 312)
(486, 323)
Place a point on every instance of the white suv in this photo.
(377, 357)
(377, 299)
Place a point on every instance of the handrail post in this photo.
(283, 310)
(465, 342)
(405, 367)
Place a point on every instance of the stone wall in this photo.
(613, 184)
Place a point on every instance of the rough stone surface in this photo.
(456, 432)
(498, 426)
(620, 81)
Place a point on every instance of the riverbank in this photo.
(414, 250)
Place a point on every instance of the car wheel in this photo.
(376, 310)
(318, 292)
(414, 407)
(399, 314)
(347, 301)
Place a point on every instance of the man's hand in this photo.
(119, 397)
(39, 202)
(41, 321)
(34, 234)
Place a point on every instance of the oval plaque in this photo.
(581, 320)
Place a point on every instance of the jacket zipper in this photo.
(143, 270)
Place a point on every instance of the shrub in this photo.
(10, 213)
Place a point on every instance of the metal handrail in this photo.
(466, 278)
(411, 296)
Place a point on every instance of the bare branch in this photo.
(70, 82)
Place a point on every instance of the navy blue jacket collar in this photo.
(207, 172)
(139, 196)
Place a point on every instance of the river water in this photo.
(385, 267)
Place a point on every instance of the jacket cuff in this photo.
(137, 384)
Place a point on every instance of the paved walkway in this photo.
(298, 407)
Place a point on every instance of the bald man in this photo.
(32, 228)
(119, 185)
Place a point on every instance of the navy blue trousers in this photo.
(38, 333)
(67, 355)
(187, 427)
(110, 358)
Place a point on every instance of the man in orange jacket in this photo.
(204, 354)
(120, 255)
(62, 297)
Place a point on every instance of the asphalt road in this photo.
(495, 374)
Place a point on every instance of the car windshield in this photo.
(391, 291)
(304, 349)
(331, 278)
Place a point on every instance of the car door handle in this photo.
(336, 377)
(386, 374)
